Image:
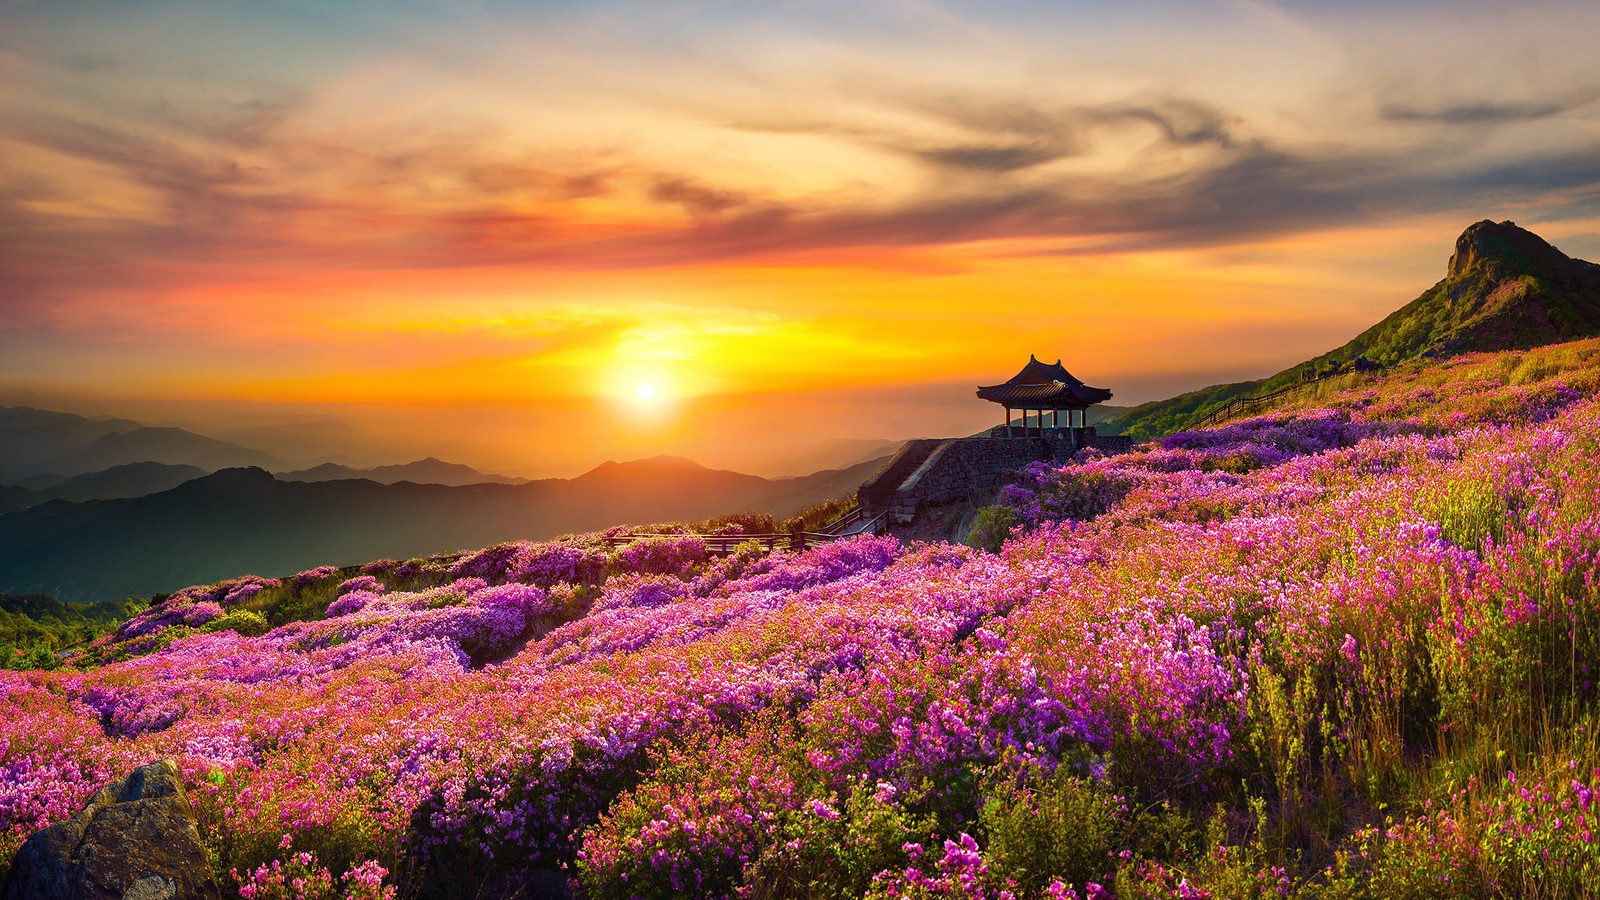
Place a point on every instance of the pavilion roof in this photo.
(1044, 386)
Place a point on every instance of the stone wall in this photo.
(957, 468)
(878, 489)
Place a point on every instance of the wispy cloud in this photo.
(1488, 112)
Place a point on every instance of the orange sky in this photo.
(482, 231)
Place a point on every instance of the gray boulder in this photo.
(136, 839)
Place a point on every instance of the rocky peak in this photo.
(1501, 248)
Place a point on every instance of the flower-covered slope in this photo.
(1345, 650)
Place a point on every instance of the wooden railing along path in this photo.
(1251, 405)
(850, 524)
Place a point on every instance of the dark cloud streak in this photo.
(997, 158)
(1485, 112)
(696, 197)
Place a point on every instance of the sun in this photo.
(647, 392)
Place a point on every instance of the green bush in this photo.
(1062, 828)
(246, 622)
(992, 527)
(37, 656)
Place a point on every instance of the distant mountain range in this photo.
(423, 471)
(47, 455)
(130, 480)
(245, 520)
(1505, 288)
(38, 446)
(94, 509)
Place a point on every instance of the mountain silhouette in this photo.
(129, 480)
(40, 448)
(423, 471)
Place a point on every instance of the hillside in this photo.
(1504, 288)
(35, 628)
(1345, 651)
(240, 520)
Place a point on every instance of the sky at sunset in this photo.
(532, 237)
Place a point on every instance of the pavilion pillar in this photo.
(1007, 421)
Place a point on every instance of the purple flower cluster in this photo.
(305, 579)
(194, 606)
(545, 564)
(677, 555)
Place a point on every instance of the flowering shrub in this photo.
(298, 878)
(664, 555)
(361, 583)
(541, 564)
(312, 576)
(354, 601)
(239, 593)
(201, 613)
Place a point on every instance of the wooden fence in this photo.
(1251, 405)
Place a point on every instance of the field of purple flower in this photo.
(1345, 650)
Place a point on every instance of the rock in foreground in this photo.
(136, 839)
